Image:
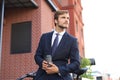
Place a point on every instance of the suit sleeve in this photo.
(38, 56)
(74, 60)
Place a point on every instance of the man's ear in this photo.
(56, 21)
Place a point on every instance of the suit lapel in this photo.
(63, 40)
(49, 37)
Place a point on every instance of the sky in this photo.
(101, 20)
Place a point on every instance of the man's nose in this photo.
(67, 20)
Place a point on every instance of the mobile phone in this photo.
(48, 58)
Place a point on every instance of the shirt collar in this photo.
(61, 33)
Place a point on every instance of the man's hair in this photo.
(60, 12)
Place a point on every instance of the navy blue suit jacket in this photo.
(66, 50)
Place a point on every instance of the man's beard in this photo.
(62, 27)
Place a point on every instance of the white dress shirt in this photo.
(59, 36)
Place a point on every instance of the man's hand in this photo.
(50, 70)
(44, 65)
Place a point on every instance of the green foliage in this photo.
(86, 63)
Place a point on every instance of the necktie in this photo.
(55, 43)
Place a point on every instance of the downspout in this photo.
(2, 5)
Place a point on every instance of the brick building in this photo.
(22, 23)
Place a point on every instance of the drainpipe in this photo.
(1, 27)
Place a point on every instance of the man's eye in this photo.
(68, 18)
(63, 17)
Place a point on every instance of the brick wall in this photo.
(15, 65)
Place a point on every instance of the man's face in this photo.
(63, 20)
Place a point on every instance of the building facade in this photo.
(23, 23)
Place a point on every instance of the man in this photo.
(65, 58)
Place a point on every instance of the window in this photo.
(59, 1)
(77, 26)
(21, 37)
